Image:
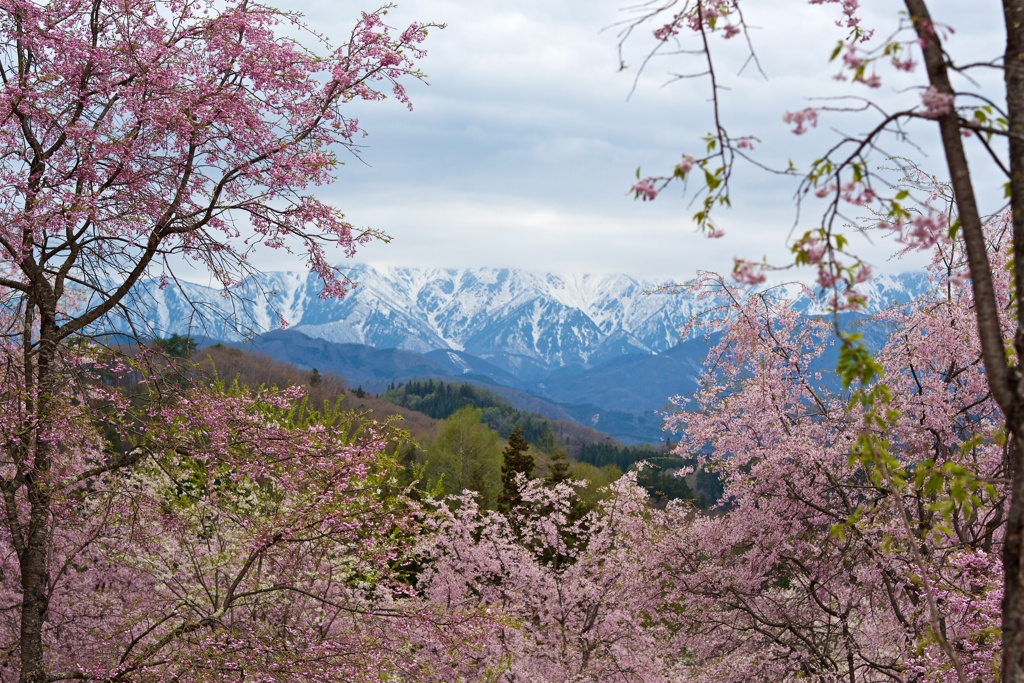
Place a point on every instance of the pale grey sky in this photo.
(521, 151)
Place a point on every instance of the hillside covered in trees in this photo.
(457, 432)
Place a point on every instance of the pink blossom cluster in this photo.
(849, 8)
(853, 192)
(907, 64)
(645, 190)
(796, 513)
(715, 232)
(872, 81)
(801, 119)
(686, 165)
(857, 194)
(812, 247)
(747, 272)
(850, 58)
(709, 15)
(922, 232)
(827, 278)
(936, 104)
(960, 278)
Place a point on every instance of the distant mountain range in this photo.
(594, 346)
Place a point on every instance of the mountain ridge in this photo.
(524, 323)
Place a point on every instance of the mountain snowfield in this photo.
(526, 323)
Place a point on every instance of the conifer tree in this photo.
(517, 460)
(559, 466)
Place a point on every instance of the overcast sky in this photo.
(521, 150)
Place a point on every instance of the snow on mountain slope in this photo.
(523, 322)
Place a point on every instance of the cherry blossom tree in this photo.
(968, 114)
(135, 136)
(210, 557)
(585, 610)
(828, 567)
(815, 565)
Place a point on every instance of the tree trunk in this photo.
(1013, 550)
(1004, 379)
(34, 473)
(1013, 583)
(34, 583)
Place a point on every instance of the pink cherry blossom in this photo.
(826, 278)
(935, 103)
(802, 119)
(686, 165)
(747, 273)
(850, 58)
(784, 539)
(645, 190)
(864, 273)
(907, 64)
(959, 279)
(163, 533)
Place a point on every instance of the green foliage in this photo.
(597, 478)
(558, 468)
(176, 346)
(466, 455)
(440, 399)
(856, 362)
(659, 478)
(623, 457)
(516, 459)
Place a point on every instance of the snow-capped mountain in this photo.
(528, 324)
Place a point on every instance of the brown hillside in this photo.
(253, 369)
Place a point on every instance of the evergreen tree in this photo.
(559, 470)
(176, 346)
(516, 460)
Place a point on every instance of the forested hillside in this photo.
(440, 399)
(458, 431)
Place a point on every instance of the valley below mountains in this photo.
(596, 349)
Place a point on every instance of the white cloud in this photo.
(521, 151)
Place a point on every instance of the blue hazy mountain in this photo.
(592, 346)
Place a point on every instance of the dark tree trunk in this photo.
(33, 477)
(1013, 550)
(1013, 586)
(1004, 377)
